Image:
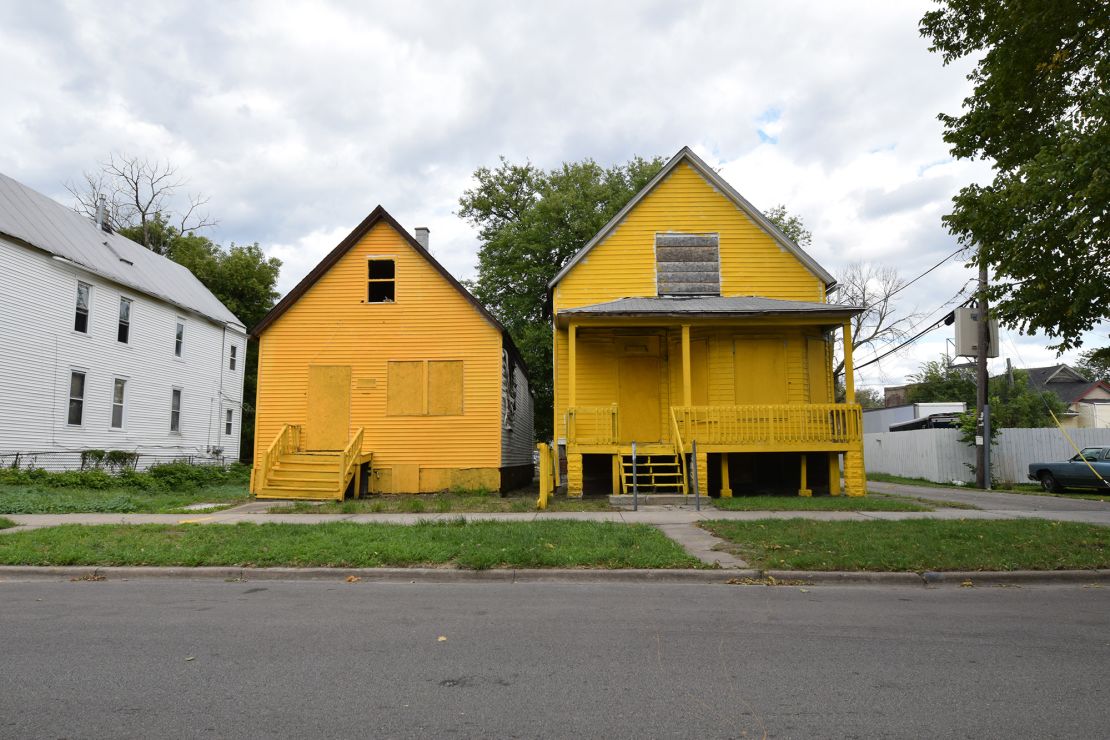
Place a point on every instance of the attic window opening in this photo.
(381, 281)
(687, 264)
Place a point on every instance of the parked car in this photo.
(1076, 472)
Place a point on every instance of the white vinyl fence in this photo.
(939, 456)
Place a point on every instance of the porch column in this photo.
(687, 391)
(726, 490)
(804, 489)
(849, 370)
(834, 473)
(572, 332)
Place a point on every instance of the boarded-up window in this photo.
(425, 388)
(687, 264)
(405, 386)
(445, 383)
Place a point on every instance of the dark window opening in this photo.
(175, 410)
(381, 281)
(76, 398)
(228, 422)
(81, 317)
(179, 339)
(231, 363)
(124, 332)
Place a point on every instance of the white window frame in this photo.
(229, 420)
(231, 360)
(119, 319)
(180, 404)
(70, 397)
(88, 310)
(179, 342)
(122, 406)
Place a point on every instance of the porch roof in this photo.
(710, 307)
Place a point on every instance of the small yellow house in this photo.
(691, 320)
(380, 371)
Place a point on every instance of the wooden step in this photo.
(307, 484)
(306, 473)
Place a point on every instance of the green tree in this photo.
(530, 222)
(242, 277)
(1095, 364)
(791, 225)
(1039, 113)
(936, 381)
(870, 398)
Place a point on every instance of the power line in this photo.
(903, 287)
(941, 307)
(912, 339)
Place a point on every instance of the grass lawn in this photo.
(476, 545)
(870, 502)
(35, 498)
(6, 523)
(446, 502)
(917, 545)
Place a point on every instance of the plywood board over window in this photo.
(405, 388)
(445, 387)
(424, 388)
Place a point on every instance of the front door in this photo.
(328, 424)
(639, 381)
(760, 370)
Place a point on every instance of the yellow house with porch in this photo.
(691, 321)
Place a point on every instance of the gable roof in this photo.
(1065, 381)
(35, 220)
(687, 155)
(378, 215)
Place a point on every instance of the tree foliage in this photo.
(791, 225)
(1095, 364)
(1013, 405)
(1039, 112)
(141, 196)
(531, 222)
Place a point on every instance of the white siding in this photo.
(40, 349)
(516, 435)
(939, 456)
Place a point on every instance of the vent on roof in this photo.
(687, 264)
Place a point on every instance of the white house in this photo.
(107, 345)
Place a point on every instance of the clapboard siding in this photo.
(517, 437)
(939, 456)
(624, 264)
(37, 300)
(332, 324)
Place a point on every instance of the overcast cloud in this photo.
(296, 119)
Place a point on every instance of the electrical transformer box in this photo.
(967, 333)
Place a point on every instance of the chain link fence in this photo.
(111, 461)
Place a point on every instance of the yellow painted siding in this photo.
(332, 324)
(623, 265)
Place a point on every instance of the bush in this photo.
(166, 477)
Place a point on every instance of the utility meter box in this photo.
(967, 333)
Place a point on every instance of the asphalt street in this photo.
(335, 659)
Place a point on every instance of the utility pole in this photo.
(982, 454)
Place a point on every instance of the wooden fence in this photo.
(939, 456)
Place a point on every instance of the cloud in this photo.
(296, 119)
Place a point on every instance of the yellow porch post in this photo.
(572, 332)
(687, 390)
(834, 473)
(849, 370)
(804, 489)
(855, 477)
(726, 490)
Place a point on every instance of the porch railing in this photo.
(347, 460)
(679, 452)
(288, 440)
(593, 425)
(756, 425)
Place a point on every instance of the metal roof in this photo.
(686, 154)
(708, 306)
(43, 223)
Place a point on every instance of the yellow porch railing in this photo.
(770, 424)
(287, 441)
(593, 425)
(350, 455)
(679, 451)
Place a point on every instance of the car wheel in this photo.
(1049, 483)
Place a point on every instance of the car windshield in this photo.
(1090, 453)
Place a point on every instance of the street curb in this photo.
(558, 575)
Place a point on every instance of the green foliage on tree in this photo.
(791, 225)
(1039, 112)
(870, 398)
(1095, 364)
(530, 222)
(241, 276)
(1016, 405)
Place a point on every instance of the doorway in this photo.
(328, 417)
(638, 399)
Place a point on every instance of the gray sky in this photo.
(296, 119)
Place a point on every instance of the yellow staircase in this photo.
(288, 472)
(655, 473)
